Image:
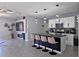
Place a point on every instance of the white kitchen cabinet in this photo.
(69, 40)
(68, 20)
(52, 23)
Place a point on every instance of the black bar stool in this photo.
(52, 45)
(44, 43)
(33, 38)
(38, 41)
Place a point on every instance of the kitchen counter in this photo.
(45, 34)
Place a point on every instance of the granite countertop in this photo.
(45, 34)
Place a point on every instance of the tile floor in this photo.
(21, 48)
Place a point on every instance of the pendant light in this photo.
(36, 20)
(57, 18)
(45, 19)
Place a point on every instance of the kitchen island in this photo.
(61, 39)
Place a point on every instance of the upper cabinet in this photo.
(68, 22)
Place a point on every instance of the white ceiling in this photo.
(28, 9)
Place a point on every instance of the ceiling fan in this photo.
(6, 11)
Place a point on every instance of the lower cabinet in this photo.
(70, 39)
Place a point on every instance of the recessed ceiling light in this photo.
(44, 9)
(24, 17)
(35, 12)
(57, 5)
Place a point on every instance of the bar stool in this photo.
(33, 38)
(52, 45)
(38, 41)
(44, 43)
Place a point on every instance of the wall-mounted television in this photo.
(19, 26)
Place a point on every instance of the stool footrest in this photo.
(45, 50)
(52, 53)
(34, 46)
(38, 48)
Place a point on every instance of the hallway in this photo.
(20, 48)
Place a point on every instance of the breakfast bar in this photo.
(55, 42)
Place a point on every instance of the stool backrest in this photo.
(37, 37)
(32, 36)
(43, 38)
(51, 40)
